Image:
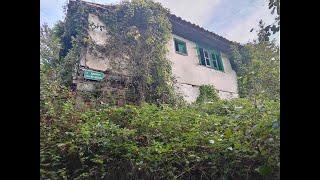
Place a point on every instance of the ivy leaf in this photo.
(228, 133)
(264, 170)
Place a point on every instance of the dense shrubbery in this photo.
(258, 69)
(211, 139)
(222, 139)
(138, 30)
(207, 93)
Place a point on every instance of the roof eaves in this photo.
(173, 17)
(200, 29)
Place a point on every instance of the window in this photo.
(215, 61)
(205, 59)
(218, 61)
(210, 58)
(180, 46)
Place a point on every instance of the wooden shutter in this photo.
(198, 53)
(220, 63)
(184, 47)
(212, 57)
(176, 45)
(202, 60)
(181, 48)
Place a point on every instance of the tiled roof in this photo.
(185, 29)
(212, 34)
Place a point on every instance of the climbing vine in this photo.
(137, 32)
(207, 94)
(219, 140)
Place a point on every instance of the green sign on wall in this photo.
(93, 75)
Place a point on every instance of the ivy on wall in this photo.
(139, 31)
(207, 94)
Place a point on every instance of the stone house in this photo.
(199, 57)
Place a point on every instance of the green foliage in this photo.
(49, 46)
(69, 65)
(265, 31)
(139, 30)
(207, 94)
(223, 139)
(258, 69)
(234, 139)
(274, 5)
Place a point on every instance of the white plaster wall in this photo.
(188, 72)
(100, 37)
(189, 92)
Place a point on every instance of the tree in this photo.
(49, 52)
(58, 67)
(274, 5)
(265, 31)
(257, 65)
(49, 46)
(263, 35)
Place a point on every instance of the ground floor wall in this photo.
(118, 89)
(114, 88)
(191, 92)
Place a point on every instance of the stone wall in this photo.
(190, 74)
(116, 89)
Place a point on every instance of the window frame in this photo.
(206, 59)
(175, 40)
(212, 61)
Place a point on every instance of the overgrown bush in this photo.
(258, 70)
(222, 139)
(213, 139)
(207, 94)
(138, 32)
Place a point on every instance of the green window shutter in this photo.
(220, 63)
(212, 57)
(211, 60)
(202, 59)
(180, 46)
(183, 48)
(198, 53)
(176, 45)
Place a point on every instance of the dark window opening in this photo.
(202, 57)
(180, 47)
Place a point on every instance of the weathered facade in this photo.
(190, 74)
(198, 57)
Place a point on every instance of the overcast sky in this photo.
(232, 19)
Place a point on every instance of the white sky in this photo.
(231, 19)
